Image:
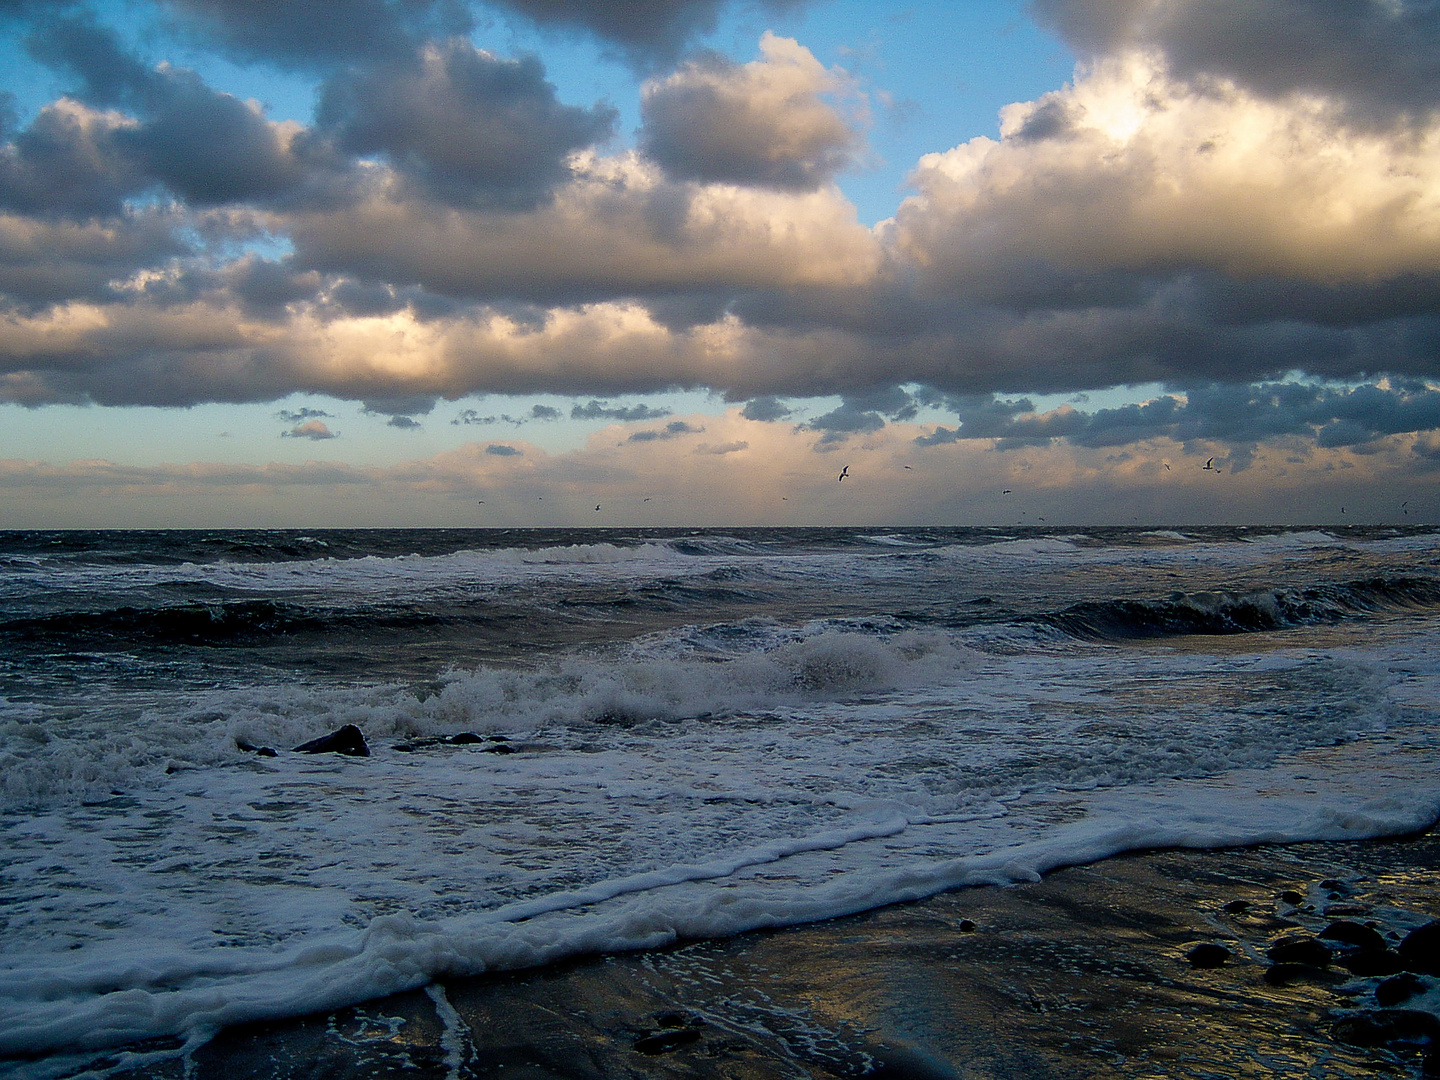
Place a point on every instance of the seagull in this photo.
(1210, 464)
(1167, 465)
(597, 507)
(844, 473)
(646, 499)
(1005, 492)
(482, 502)
(909, 466)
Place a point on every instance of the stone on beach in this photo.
(348, 740)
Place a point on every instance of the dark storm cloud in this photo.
(471, 129)
(404, 423)
(501, 450)
(595, 410)
(1381, 57)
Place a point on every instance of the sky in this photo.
(287, 263)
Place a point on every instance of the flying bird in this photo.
(909, 466)
(1210, 464)
(1005, 492)
(597, 507)
(844, 473)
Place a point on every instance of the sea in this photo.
(592, 740)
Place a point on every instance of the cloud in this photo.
(205, 146)
(860, 414)
(404, 423)
(647, 32)
(469, 128)
(672, 430)
(501, 450)
(1378, 57)
(766, 408)
(320, 34)
(721, 449)
(765, 123)
(1241, 416)
(314, 430)
(1149, 177)
(595, 410)
(326, 34)
(400, 405)
(296, 416)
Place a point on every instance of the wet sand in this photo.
(1083, 974)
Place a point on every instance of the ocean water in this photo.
(666, 734)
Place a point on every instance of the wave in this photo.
(1239, 612)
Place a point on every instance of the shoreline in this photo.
(1082, 974)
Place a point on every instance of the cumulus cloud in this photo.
(205, 146)
(471, 129)
(764, 123)
(315, 430)
(1133, 171)
(404, 423)
(1378, 57)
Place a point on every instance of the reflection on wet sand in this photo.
(1083, 974)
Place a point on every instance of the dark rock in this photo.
(464, 738)
(497, 748)
(1430, 1064)
(1368, 963)
(1388, 1027)
(662, 1042)
(1421, 949)
(1285, 974)
(1400, 988)
(672, 1020)
(498, 738)
(1208, 955)
(348, 740)
(1353, 933)
(261, 751)
(1235, 907)
(967, 926)
(1299, 950)
(1290, 896)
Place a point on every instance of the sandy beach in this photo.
(1083, 974)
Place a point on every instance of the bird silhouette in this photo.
(1210, 464)
(844, 473)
